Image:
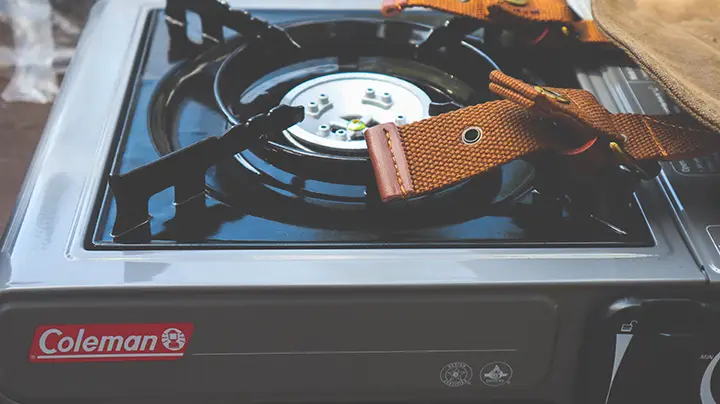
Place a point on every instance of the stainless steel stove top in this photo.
(55, 209)
(340, 324)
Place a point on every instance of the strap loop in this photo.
(628, 161)
(391, 8)
(553, 14)
(431, 154)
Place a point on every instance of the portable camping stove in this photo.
(201, 223)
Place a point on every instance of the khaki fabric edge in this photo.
(685, 85)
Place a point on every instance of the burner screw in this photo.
(323, 130)
(370, 93)
(341, 134)
(313, 107)
(386, 97)
(324, 99)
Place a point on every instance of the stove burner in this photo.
(406, 60)
(314, 181)
(338, 108)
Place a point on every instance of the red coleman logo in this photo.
(109, 342)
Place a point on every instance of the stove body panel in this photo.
(264, 346)
(320, 345)
(538, 300)
(51, 221)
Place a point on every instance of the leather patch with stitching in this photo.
(389, 161)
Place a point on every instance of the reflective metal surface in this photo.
(46, 243)
(340, 106)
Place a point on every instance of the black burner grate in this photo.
(254, 188)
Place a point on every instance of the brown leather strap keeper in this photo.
(431, 154)
(385, 147)
(551, 13)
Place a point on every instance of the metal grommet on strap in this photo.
(552, 95)
(471, 135)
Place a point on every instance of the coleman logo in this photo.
(109, 342)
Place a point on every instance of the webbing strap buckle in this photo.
(629, 161)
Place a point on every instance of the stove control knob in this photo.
(706, 395)
(663, 350)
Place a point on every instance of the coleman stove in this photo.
(201, 223)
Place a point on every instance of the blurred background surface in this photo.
(37, 41)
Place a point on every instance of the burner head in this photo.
(348, 75)
(345, 83)
(339, 107)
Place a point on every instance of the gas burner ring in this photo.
(339, 107)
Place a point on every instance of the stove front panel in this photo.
(369, 346)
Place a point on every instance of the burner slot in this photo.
(214, 16)
(185, 170)
(452, 32)
(605, 198)
(437, 108)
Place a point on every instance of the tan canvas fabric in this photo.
(677, 42)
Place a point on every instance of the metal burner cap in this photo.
(339, 107)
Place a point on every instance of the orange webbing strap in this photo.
(671, 137)
(587, 31)
(509, 12)
(431, 154)
(644, 137)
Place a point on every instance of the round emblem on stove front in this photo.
(173, 339)
(456, 374)
(496, 374)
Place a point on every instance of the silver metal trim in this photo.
(413, 351)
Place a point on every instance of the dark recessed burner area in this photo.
(306, 181)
